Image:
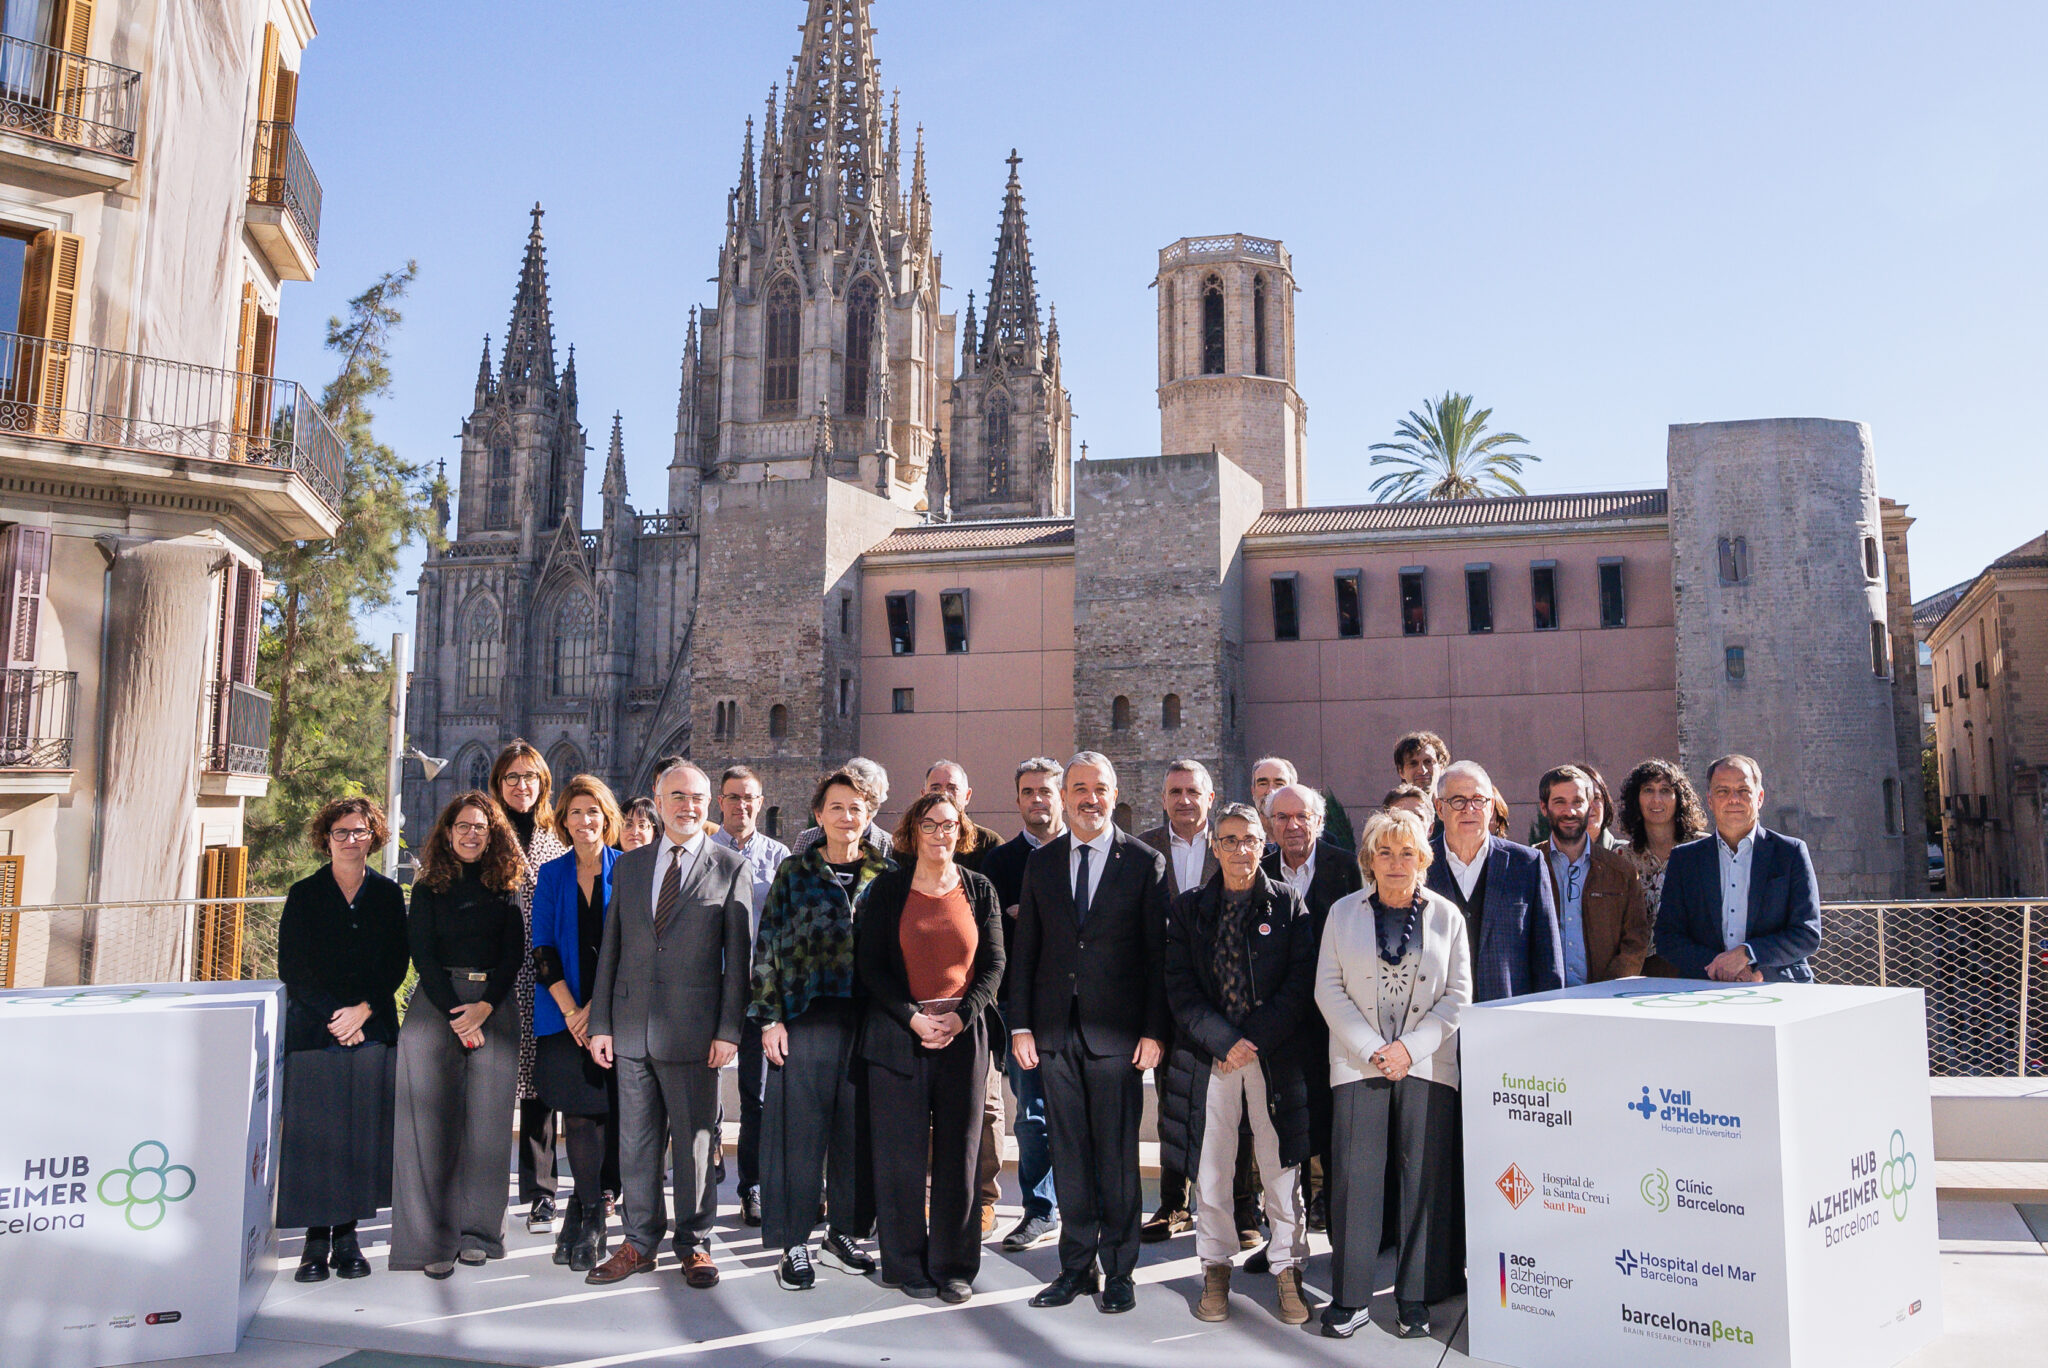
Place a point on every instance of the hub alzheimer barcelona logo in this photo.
(1676, 1114)
(1533, 1101)
(1700, 997)
(1850, 1211)
(52, 1191)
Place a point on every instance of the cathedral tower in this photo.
(1012, 423)
(1226, 359)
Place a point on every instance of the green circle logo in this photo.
(1898, 1175)
(146, 1187)
(1704, 997)
(1656, 1190)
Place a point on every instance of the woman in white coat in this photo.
(1394, 974)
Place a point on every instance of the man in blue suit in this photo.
(1741, 905)
(1500, 887)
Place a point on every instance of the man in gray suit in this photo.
(666, 1011)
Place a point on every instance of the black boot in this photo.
(569, 1230)
(347, 1260)
(313, 1258)
(592, 1241)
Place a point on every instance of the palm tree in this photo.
(1447, 453)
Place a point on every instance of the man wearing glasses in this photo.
(1501, 888)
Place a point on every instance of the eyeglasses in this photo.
(522, 779)
(472, 828)
(1464, 804)
(931, 827)
(349, 835)
(1238, 843)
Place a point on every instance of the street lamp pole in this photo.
(394, 767)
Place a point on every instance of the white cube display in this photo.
(1674, 1172)
(137, 1170)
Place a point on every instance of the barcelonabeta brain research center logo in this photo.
(146, 1188)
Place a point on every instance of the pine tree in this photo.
(327, 737)
(1337, 829)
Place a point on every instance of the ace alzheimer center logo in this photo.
(59, 1192)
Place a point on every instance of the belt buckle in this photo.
(476, 978)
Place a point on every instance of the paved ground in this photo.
(525, 1310)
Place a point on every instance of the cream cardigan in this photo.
(1348, 987)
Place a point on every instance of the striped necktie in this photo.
(671, 891)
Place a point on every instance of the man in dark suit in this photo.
(1088, 1009)
(1321, 873)
(1741, 905)
(666, 1011)
(1499, 886)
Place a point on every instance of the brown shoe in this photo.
(1293, 1308)
(1215, 1302)
(699, 1271)
(988, 1219)
(620, 1266)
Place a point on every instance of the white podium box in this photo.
(1673, 1172)
(137, 1170)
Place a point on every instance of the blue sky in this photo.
(1599, 219)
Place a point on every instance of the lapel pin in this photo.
(1265, 928)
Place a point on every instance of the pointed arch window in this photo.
(1172, 317)
(785, 336)
(570, 640)
(1259, 326)
(483, 651)
(861, 306)
(565, 761)
(475, 769)
(1212, 326)
(995, 441)
(498, 487)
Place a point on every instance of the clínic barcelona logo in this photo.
(147, 1186)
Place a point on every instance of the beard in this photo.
(1571, 828)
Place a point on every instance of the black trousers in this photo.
(935, 1109)
(753, 1081)
(1094, 1107)
(536, 1149)
(813, 1132)
(1404, 1135)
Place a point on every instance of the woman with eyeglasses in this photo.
(640, 825)
(929, 952)
(458, 1052)
(341, 951)
(522, 783)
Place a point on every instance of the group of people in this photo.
(1297, 1004)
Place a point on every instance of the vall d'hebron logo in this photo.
(1679, 1329)
(1661, 1192)
(1527, 1288)
(1535, 1101)
(1677, 1270)
(1850, 1211)
(1675, 1112)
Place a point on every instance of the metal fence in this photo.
(1980, 963)
(49, 93)
(171, 941)
(283, 176)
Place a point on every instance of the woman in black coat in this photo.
(341, 952)
(1240, 976)
(928, 952)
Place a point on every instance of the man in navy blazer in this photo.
(1741, 905)
(1501, 888)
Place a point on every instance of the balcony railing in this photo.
(36, 712)
(282, 176)
(48, 93)
(238, 731)
(140, 403)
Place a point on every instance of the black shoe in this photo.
(794, 1273)
(347, 1260)
(1030, 1231)
(1342, 1322)
(920, 1287)
(313, 1260)
(1166, 1223)
(840, 1252)
(1319, 1211)
(475, 1258)
(540, 1219)
(569, 1232)
(1066, 1287)
(750, 1206)
(592, 1243)
(1261, 1261)
(1414, 1319)
(954, 1291)
(1119, 1294)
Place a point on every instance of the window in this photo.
(726, 720)
(902, 622)
(1286, 607)
(1613, 602)
(903, 700)
(1350, 603)
(13, 241)
(1120, 713)
(995, 444)
(846, 693)
(953, 618)
(478, 770)
(1479, 598)
(1259, 326)
(1543, 594)
(1880, 650)
(1414, 610)
(1871, 565)
(785, 335)
(1926, 654)
(1734, 558)
(778, 722)
(845, 613)
(483, 651)
(1167, 312)
(1962, 686)
(1738, 666)
(565, 761)
(1946, 701)
(1169, 712)
(771, 821)
(570, 642)
(498, 490)
(1983, 668)
(860, 344)
(24, 582)
(1891, 807)
(1212, 326)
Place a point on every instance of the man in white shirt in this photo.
(739, 809)
(1187, 795)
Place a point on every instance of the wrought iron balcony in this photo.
(69, 392)
(36, 712)
(238, 731)
(61, 97)
(283, 178)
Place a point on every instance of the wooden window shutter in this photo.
(223, 873)
(247, 620)
(245, 360)
(284, 104)
(49, 309)
(73, 31)
(25, 562)
(266, 90)
(74, 28)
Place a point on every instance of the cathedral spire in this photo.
(614, 487)
(970, 341)
(530, 340)
(835, 109)
(1011, 332)
(920, 197)
(746, 189)
(485, 385)
(686, 399)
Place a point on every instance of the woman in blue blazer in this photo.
(570, 896)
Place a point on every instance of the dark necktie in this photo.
(1081, 889)
(671, 891)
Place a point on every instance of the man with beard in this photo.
(1603, 909)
